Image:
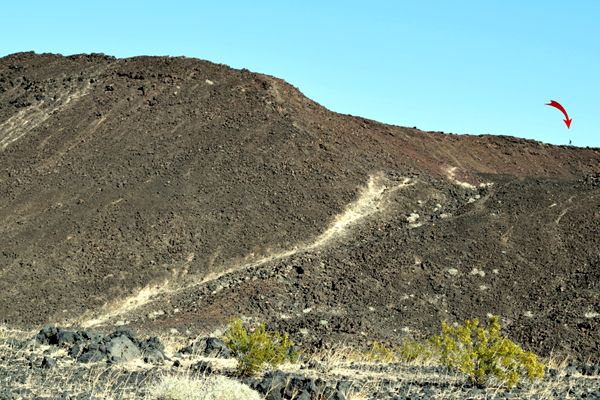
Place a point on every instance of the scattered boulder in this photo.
(90, 356)
(153, 350)
(202, 367)
(119, 346)
(344, 387)
(65, 337)
(8, 394)
(209, 347)
(187, 350)
(278, 385)
(215, 347)
(154, 357)
(125, 332)
(92, 336)
(592, 180)
(304, 395)
(48, 335)
(122, 349)
(48, 362)
(586, 369)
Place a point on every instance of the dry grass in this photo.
(19, 371)
(343, 354)
(11, 333)
(185, 387)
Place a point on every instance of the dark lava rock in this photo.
(154, 357)
(202, 367)
(90, 355)
(124, 332)
(215, 347)
(344, 387)
(274, 385)
(196, 347)
(66, 337)
(7, 394)
(589, 369)
(279, 385)
(76, 350)
(92, 336)
(304, 395)
(48, 335)
(152, 350)
(592, 180)
(119, 346)
(48, 362)
(187, 350)
(210, 347)
(152, 343)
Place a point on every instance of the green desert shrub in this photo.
(216, 387)
(379, 352)
(258, 348)
(413, 350)
(484, 354)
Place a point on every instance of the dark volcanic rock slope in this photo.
(163, 173)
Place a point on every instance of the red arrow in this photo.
(562, 109)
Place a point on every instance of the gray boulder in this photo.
(122, 349)
(48, 362)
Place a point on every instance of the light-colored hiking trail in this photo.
(370, 201)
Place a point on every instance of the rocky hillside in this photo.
(167, 193)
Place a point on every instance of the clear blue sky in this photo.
(456, 66)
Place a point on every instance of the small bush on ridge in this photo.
(483, 353)
(380, 353)
(480, 352)
(258, 348)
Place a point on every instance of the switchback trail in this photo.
(369, 202)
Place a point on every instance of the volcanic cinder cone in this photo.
(177, 193)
